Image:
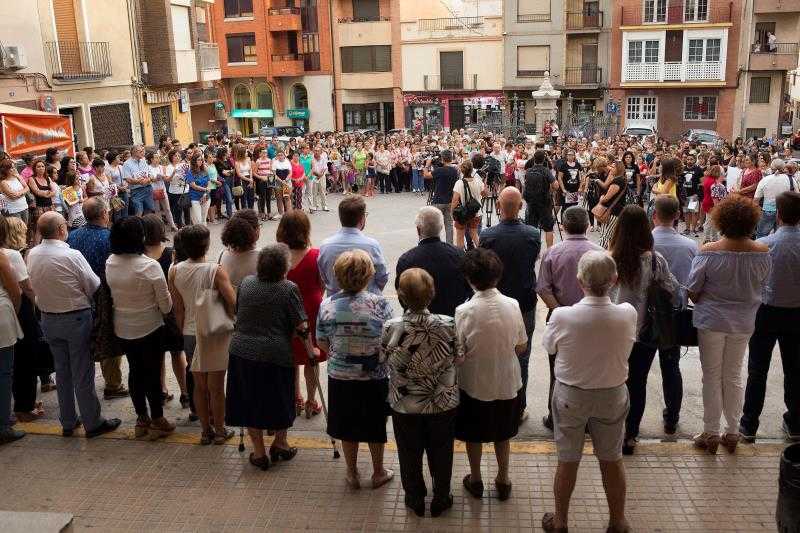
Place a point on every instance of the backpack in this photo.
(537, 186)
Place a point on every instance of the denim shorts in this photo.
(142, 200)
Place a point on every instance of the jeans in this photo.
(227, 195)
(6, 372)
(432, 434)
(142, 200)
(122, 213)
(639, 363)
(384, 184)
(416, 180)
(180, 216)
(145, 357)
(249, 197)
(447, 213)
(721, 357)
(529, 318)
(69, 338)
(264, 197)
(767, 223)
(773, 324)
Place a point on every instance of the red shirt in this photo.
(708, 202)
(750, 177)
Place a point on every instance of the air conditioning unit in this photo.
(13, 58)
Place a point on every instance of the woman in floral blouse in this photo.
(423, 393)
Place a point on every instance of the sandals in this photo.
(548, 524)
(227, 434)
(166, 397)
(281, 454)
(184, 399)
(261, 463)
(312, 409)
(353, 481)
(503, 490)
(207, 437)
(475, 488)
(387, 476)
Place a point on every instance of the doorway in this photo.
(161, 122)
(388, 116)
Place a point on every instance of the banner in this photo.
(34, 134)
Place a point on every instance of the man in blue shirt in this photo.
(353, 217)
(679, 251)
(518, 245)
(777, 321)
(93, 242)
(136, 173)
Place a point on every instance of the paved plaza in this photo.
(115, 483)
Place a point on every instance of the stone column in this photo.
(545, 98)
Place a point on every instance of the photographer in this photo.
(539, 182)
(444, 179)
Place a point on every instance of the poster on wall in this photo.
(34, 134)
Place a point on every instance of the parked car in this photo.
(707, 137)
(400, 131)
(283, 133)
(639, 131)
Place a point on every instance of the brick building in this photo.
(675, 64)
(275, 58)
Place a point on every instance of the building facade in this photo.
(674, 64)
(768, 52)
(570, 40)
(366, 55)
(450, 72)
(275, 58)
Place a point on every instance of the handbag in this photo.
(687, 333)
(466, 210)
(238, 191)
(602, 213)
(212, 318)
(159, 194)
(104, 342)
(117, 204)
(660, 327)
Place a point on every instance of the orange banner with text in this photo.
(34, 134)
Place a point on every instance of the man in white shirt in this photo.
(318, 185)
(592, 340)
(65, 284)
(767, 190)
(136, 173)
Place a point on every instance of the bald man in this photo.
(518, 245)
(65, 284)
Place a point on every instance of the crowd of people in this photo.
(88, 275)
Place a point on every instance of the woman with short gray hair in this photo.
(261, 371)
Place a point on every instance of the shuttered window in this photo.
(759, 90)
(532, 61)
(241, 47)
(533, 10)
(366, 59)
(66, 24)
(238, 8)
(366, 10)
(451, 69)
(181, 28)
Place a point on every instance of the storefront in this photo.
(250, 121)
(299, 117)
(166, 113)
(425, 112)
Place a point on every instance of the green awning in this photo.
(299, 113)
(252, 113)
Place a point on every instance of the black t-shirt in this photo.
(444, 178)
(571, 175)
(632, 175)
(616, 208)
(691, 179)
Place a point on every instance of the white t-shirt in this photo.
(733, 178)
(178, 183)
(475, 187)
(17, 264)
(157, 175)
(770, 187)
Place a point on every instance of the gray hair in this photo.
(575, 220)
(94, 208)
(273, 262)
(777, 166)
(429, 221)
(597, 272)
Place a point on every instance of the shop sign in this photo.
(420, 99)
(34, 134)
(483, 101)
(219, 105)
(251, 113)
(183, 101)
(301, 113)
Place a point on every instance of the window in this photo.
(366, 10)
(700, 108)
(759, 90)
(641, 108)
(367, 116)
(636, 49)
(711, 47)
(263, 96)
(366, 59)
(695, 10)
(241, 48)
(238, 8)
(310, 48)
(451, 70)
(532, 61)
(755, 133)
(655, 11)
(181, 28)
(533, 10)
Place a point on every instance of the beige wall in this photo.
(764, 115)
(365, 33)
(367, 80)
(430, 9)
(22, 31)
(420, 59)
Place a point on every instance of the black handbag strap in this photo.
(467, 193)
(791, 183)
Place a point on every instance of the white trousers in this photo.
(319, 190)
(721, 357)
(199, 211)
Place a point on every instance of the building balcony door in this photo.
(589, 63)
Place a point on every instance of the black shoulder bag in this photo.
(466, 210)
(660, 328)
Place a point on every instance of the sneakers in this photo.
(10, 435)
(160, 428)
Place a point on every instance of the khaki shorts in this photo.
(604, 410)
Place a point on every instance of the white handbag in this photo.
(211, 316)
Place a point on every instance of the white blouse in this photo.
(140, 294)
(489, 327)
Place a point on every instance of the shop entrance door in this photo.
(456, 108)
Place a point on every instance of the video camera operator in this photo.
(539, 182)
(444, 179)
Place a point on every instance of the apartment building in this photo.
(366, 55)
(451, 72)
(275, 58)
(177, 58)
(570, 40)
(75, 58)
(768, 52)
(675, 64)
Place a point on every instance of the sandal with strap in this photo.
(281, 454)
(259, 462)
(549, 524)
(312, 409)
(298, 405)
(227, 434)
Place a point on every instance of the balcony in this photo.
(351, 20)
(284, 19)
(78, 61)
(209, 61)
(783, 57)
(532, 17)
(675, 13)
(287, 65)
(587, 75)
(584, 21)
(770, 7)
(674, 71)
(434, 82)
(449, 24)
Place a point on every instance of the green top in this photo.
(305, 160)
(213, 177)
(359, 159)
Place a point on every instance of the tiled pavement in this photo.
(112, 484)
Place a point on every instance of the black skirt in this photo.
(260, 395)
(494, 421)
(358, 409)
